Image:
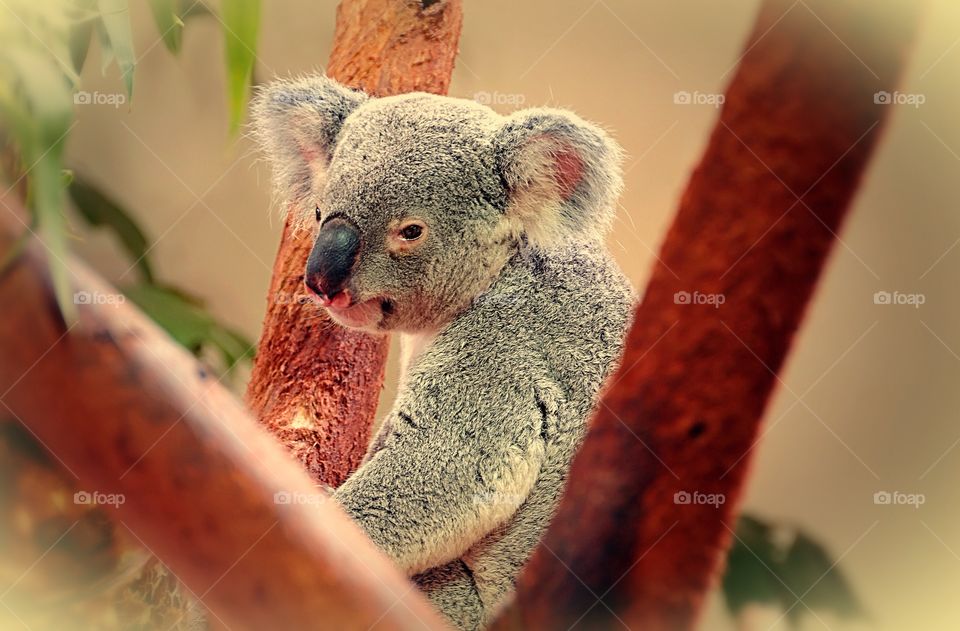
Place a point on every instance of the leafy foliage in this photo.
(166, 13)
(117, 39)
(241, 26)
(45, 48)
(36, 83)
(170, 17)
(183, 316)
(777, 565)
(185, 319)
(101, 211)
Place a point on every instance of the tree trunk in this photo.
(753, 230)
(315, 385)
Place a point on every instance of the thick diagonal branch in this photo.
(205, 489)
(754, 229)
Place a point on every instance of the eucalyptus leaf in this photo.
(35, 85)
(106, 48)
(80, 38)
(811, 573)
(764, 567)
(233, 346)
(184, 295)
(100, 211)
(36, 101)
(47, 196)
(81, 32)
(189, 324)
(115, 17)
(193, 8)
(167, 17)
(241, 26)
(748, 579)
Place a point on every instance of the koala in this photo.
(479, 239)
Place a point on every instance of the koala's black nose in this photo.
(332, 258)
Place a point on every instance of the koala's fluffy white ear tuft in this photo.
(296, 122)
(562, 175)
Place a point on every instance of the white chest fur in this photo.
(412, 345)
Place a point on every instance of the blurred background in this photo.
(868, 401)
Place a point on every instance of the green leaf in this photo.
(183, 295)
(101, 211)
(81, 32)
(185, 322)
(80, 37)
(36, 87)
(764, 568)
(47, 194)
(169, 22)
(809, 569)
(115, 17)
(748, 581)
(189, 324)
(106, 50)
(233, 346)
(193, 8)
(241, 25)
(37, 106)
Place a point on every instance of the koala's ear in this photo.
(296, 122)
(562, 175)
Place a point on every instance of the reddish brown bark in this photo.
(132, 413)
(393, 46)
(685, 406)
(315, 385)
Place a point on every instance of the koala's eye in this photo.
(411, 232)
(406, 235)
(318, 214)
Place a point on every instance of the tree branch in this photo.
(131, 413)
(754, 227)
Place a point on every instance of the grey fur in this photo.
(512, 309)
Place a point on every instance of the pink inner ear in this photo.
(302, 123)
(569, 170)
(308, 153)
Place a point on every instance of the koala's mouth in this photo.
(366, 314)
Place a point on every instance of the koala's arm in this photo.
(460, 461)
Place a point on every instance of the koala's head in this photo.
(418, 201)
